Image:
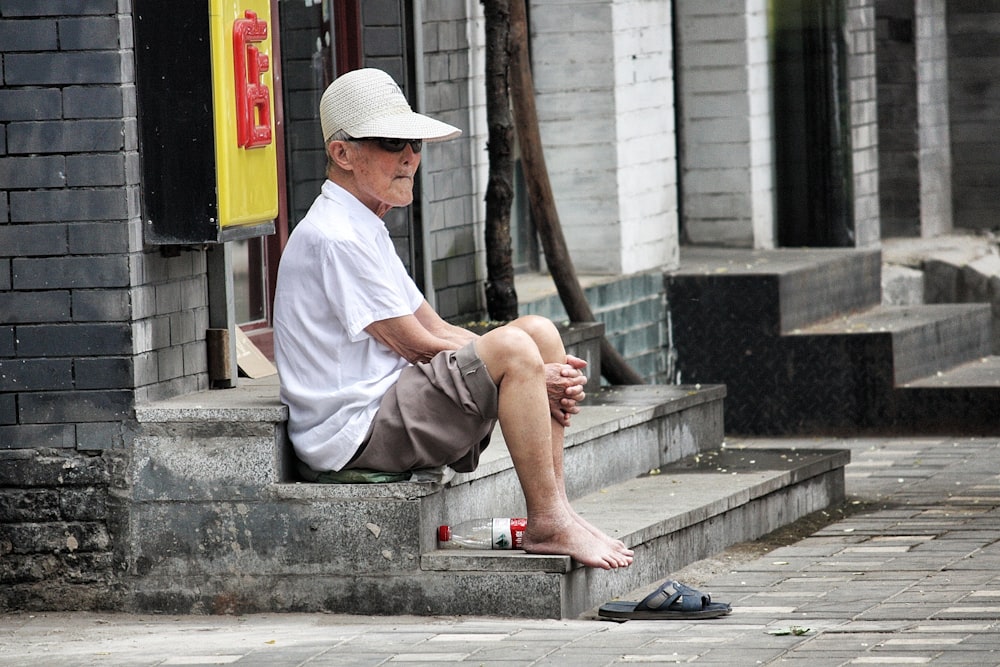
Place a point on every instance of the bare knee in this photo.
(544, 334)
(507, 348)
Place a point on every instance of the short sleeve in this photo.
(367, 282)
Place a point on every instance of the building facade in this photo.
(664, 124)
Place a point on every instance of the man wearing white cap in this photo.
(373, 378)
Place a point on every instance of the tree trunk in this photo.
(501, 295)
(542, 203)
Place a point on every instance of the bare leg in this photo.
(516, 364)
(547, 338)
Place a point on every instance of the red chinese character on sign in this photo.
(253, 99)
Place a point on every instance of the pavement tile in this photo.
(890, 660)
(657, 659)
(953, 626)
(740, 656)
(875, 627)
(428, 658)
(796, 660)
(560, 659)
(515, 651)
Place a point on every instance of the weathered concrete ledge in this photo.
(955, 268)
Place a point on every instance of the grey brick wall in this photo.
(914, 137)
(70, 258)
(726, 162)
(634, 312)
(936, 212)
(863, 100)
(64, 237)
(450, 217)
(897, 109)
(973, 50)
(58, 520)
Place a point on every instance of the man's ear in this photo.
(339, 154)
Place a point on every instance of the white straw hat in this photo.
(368, 103)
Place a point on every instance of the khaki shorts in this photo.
(438, 413)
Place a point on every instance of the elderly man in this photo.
(373, 378)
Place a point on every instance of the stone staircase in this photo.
(804, 346)
(218, 522)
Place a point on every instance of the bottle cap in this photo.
(444, 533)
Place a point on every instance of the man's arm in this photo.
(420, 336)
(438, 327)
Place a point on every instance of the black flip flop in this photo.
(671, 601)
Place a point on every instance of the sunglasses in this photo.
(394, 145)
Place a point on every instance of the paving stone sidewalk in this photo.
(911, 578)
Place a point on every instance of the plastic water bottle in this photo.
(494, 533)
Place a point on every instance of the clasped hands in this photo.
(564, 384)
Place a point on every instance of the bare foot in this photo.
(567, 537)
(625, 554)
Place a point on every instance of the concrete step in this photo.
(979, 373)
(917, 340)
(845, 371)
(775, 290)
(964, 399)
(672, 516)
(216, 522)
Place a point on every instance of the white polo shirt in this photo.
(339, 273)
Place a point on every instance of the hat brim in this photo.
(408, 125)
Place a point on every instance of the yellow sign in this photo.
(243, 98)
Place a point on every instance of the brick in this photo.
(37, 69)
(30, 103)
(95, 170)
(33, 436)
(382, 41)
(81, 136)
(77, 272)
(101, 305)
(50, 469)
(56, 407)
(146, 372)
(57, 7)
(83, 504)
(99, 436)
(184, 327)
(143, 298)
(7, 348)
(32, 240)
(42, 171)
(55, 537)
(35, 374)
(64, 205)
(20, 35)
(381, 12)
(103, 372)
(93, 102)
(170, 363)
(8, 409)
(4, 274)
(195, 357)
(98, 238)
(74, 340)
(28, 505)
(88, 33)
(34, 307)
